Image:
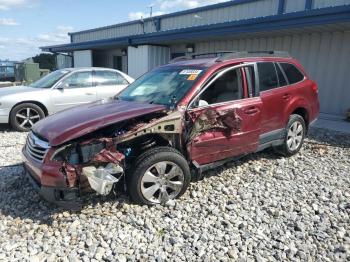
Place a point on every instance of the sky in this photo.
(25, 25)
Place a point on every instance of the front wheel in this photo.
(24, 116)
(294, 136)
(160, 174)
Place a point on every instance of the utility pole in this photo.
(151, 10)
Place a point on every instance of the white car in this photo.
(23, 106)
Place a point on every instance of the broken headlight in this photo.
(75, 153)
(67, 153)
(88, 151)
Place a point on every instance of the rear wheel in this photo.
(24, 116)
(160, 174)
(294, 136)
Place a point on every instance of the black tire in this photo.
(285, 149)
(35, 114)
(146, 161)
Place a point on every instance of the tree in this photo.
(46, 61)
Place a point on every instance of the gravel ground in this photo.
(261, 208)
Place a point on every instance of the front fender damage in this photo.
(98, 162)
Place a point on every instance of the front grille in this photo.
(36, 148)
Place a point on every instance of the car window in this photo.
(50, 80)
(11, 70)
(228, 87)
(267, 76)
(281, 79)
(250, 75)
(109, 78)
(293, 74)
(79, 79)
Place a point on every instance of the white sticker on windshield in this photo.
(190, 72)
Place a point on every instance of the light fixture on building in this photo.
(190, 48)
(124, 52)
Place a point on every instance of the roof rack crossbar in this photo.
(200, 55)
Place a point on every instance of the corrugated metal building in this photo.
(317, 32)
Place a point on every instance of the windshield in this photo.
(164, 86)
(49, 80)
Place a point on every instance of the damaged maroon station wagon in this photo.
(172, 124)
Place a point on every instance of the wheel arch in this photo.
(39, 104)
(300, 107)
(152, 140)
(302, 111)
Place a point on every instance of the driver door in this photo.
(225, 118)
(76, 89)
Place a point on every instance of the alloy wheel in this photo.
(27, 117)
(295, 136)
(161, 182)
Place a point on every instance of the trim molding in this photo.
(308, 4)
(281, 6)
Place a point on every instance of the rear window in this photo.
(293, 74)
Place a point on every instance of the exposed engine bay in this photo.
(102, 157)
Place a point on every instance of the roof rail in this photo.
(242, 54)
(226, 55)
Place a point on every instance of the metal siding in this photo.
(328, 3)
(294, 6)
(324, 55)
(113, 32)
(144, 58)
(158, 55)
(137, 60)
(82, 58)
(217, 15)
(235, 12)
(221, 15)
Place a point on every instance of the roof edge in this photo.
(302, 18)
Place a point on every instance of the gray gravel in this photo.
(261, 208)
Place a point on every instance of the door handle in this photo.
(286, 96)
(251, 111)
(89, 94)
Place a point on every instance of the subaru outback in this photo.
(172, 124)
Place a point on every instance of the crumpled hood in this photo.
(11, 90)
(78, 121)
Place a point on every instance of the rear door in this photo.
(109, 83)
(274, 96)
(224, 119)
(76, 89)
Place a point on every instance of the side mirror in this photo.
(202, 103)
(62, 86)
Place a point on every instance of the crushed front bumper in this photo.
(53, 192)
(63, 197)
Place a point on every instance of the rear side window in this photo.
(293, 74)
(281, 79)
(267, 76)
